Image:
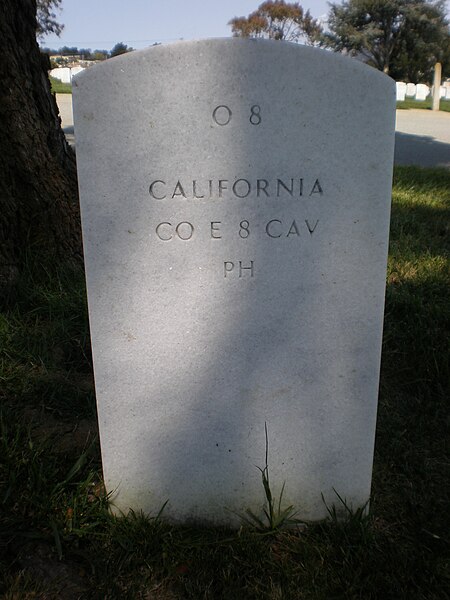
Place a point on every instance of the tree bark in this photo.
(39, 214)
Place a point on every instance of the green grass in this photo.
(58, 87)
(55, 529)
(444, 105)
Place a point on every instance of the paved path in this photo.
(64, 102)
(422, 136)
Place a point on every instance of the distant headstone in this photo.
(61, 73)
(422, 91)
(76, 70)
(410, 90)
(65, 74)
(401, 90)
(235, 221)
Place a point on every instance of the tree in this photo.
(120, 48)
(85, 53)
(46, 18)
(400, 37)
(69, 51)
(278, 20)
(100, 55)
(446, 58)
(425, 41)
(39, 214)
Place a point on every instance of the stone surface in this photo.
(235, 220)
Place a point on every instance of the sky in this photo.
(100, 24)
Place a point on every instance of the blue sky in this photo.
(100, 24)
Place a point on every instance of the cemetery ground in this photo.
(58, 540)
(409, 103)
(58, 87)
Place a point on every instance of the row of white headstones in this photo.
(419, 91)
(65, 74)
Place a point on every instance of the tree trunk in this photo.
(39, 214)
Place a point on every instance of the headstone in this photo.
(442, 91)
(235, 222)
(65, 74)
(76, 70)
(401, 90)
(410, 90)
(61, 73)
(422, 91)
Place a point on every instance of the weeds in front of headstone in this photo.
(276, 517)
(349, 523)
(346, 513)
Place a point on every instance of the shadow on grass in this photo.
(420, 150)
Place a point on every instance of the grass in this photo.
(444, 105)
(58, 540)
(58, 87)
(276, 515)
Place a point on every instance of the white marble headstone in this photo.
(422, 91)
(446, 86)
(410, 89)
(401, 90)
(235, 221)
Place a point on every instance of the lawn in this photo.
(58, 540)
(444, 105)
(58, 87)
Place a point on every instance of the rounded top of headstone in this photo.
(282, 52)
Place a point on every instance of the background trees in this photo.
(46, 17)
(403, 38)
(278, 20)
(120, 48)
(66, 52)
